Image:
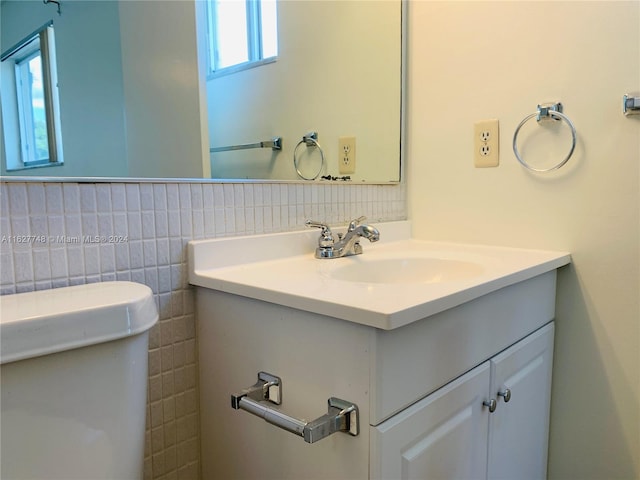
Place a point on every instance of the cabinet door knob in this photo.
(492, 404)
(506, 394)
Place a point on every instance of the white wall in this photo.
(162, 90)
(470, 61)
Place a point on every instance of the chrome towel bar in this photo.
(275, 144)
(342, 416)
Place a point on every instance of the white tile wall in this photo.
(42, 226)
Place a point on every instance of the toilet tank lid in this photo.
(48, 321)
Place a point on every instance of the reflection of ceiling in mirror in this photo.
(132, 106)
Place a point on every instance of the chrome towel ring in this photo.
(550, 111)
(310, 140)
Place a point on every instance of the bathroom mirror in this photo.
(136, 100)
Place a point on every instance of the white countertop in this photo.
(281, 269)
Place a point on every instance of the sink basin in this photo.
(406, 270)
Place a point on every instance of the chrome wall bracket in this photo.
(631, 104)
(545, 111)
(267, 388)
(341, 416)
(311, 139)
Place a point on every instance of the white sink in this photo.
(405, 269)
(396, 281)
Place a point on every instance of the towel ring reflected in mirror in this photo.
(310, 140)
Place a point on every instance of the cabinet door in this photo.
(443, 436)
(519, 427)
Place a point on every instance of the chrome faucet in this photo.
(349, 244)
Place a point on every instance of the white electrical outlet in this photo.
(347, 154)
(486, 143)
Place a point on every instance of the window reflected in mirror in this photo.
(241, 34)
(30, 112)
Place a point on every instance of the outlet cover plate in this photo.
(486, 143)
(347, 155)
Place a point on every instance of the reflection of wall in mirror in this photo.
(358, 96)
(128, 86)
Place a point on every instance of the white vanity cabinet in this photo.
(519, 428)
(443, 436)
(419, 335)
(452, 434)
(420, 388)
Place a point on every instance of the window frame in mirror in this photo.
(41, 41)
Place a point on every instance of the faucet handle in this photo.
(314, 224)
(326, 235)
(355, 222)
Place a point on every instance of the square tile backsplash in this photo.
(59, 234)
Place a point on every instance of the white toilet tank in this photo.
(73, 373)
